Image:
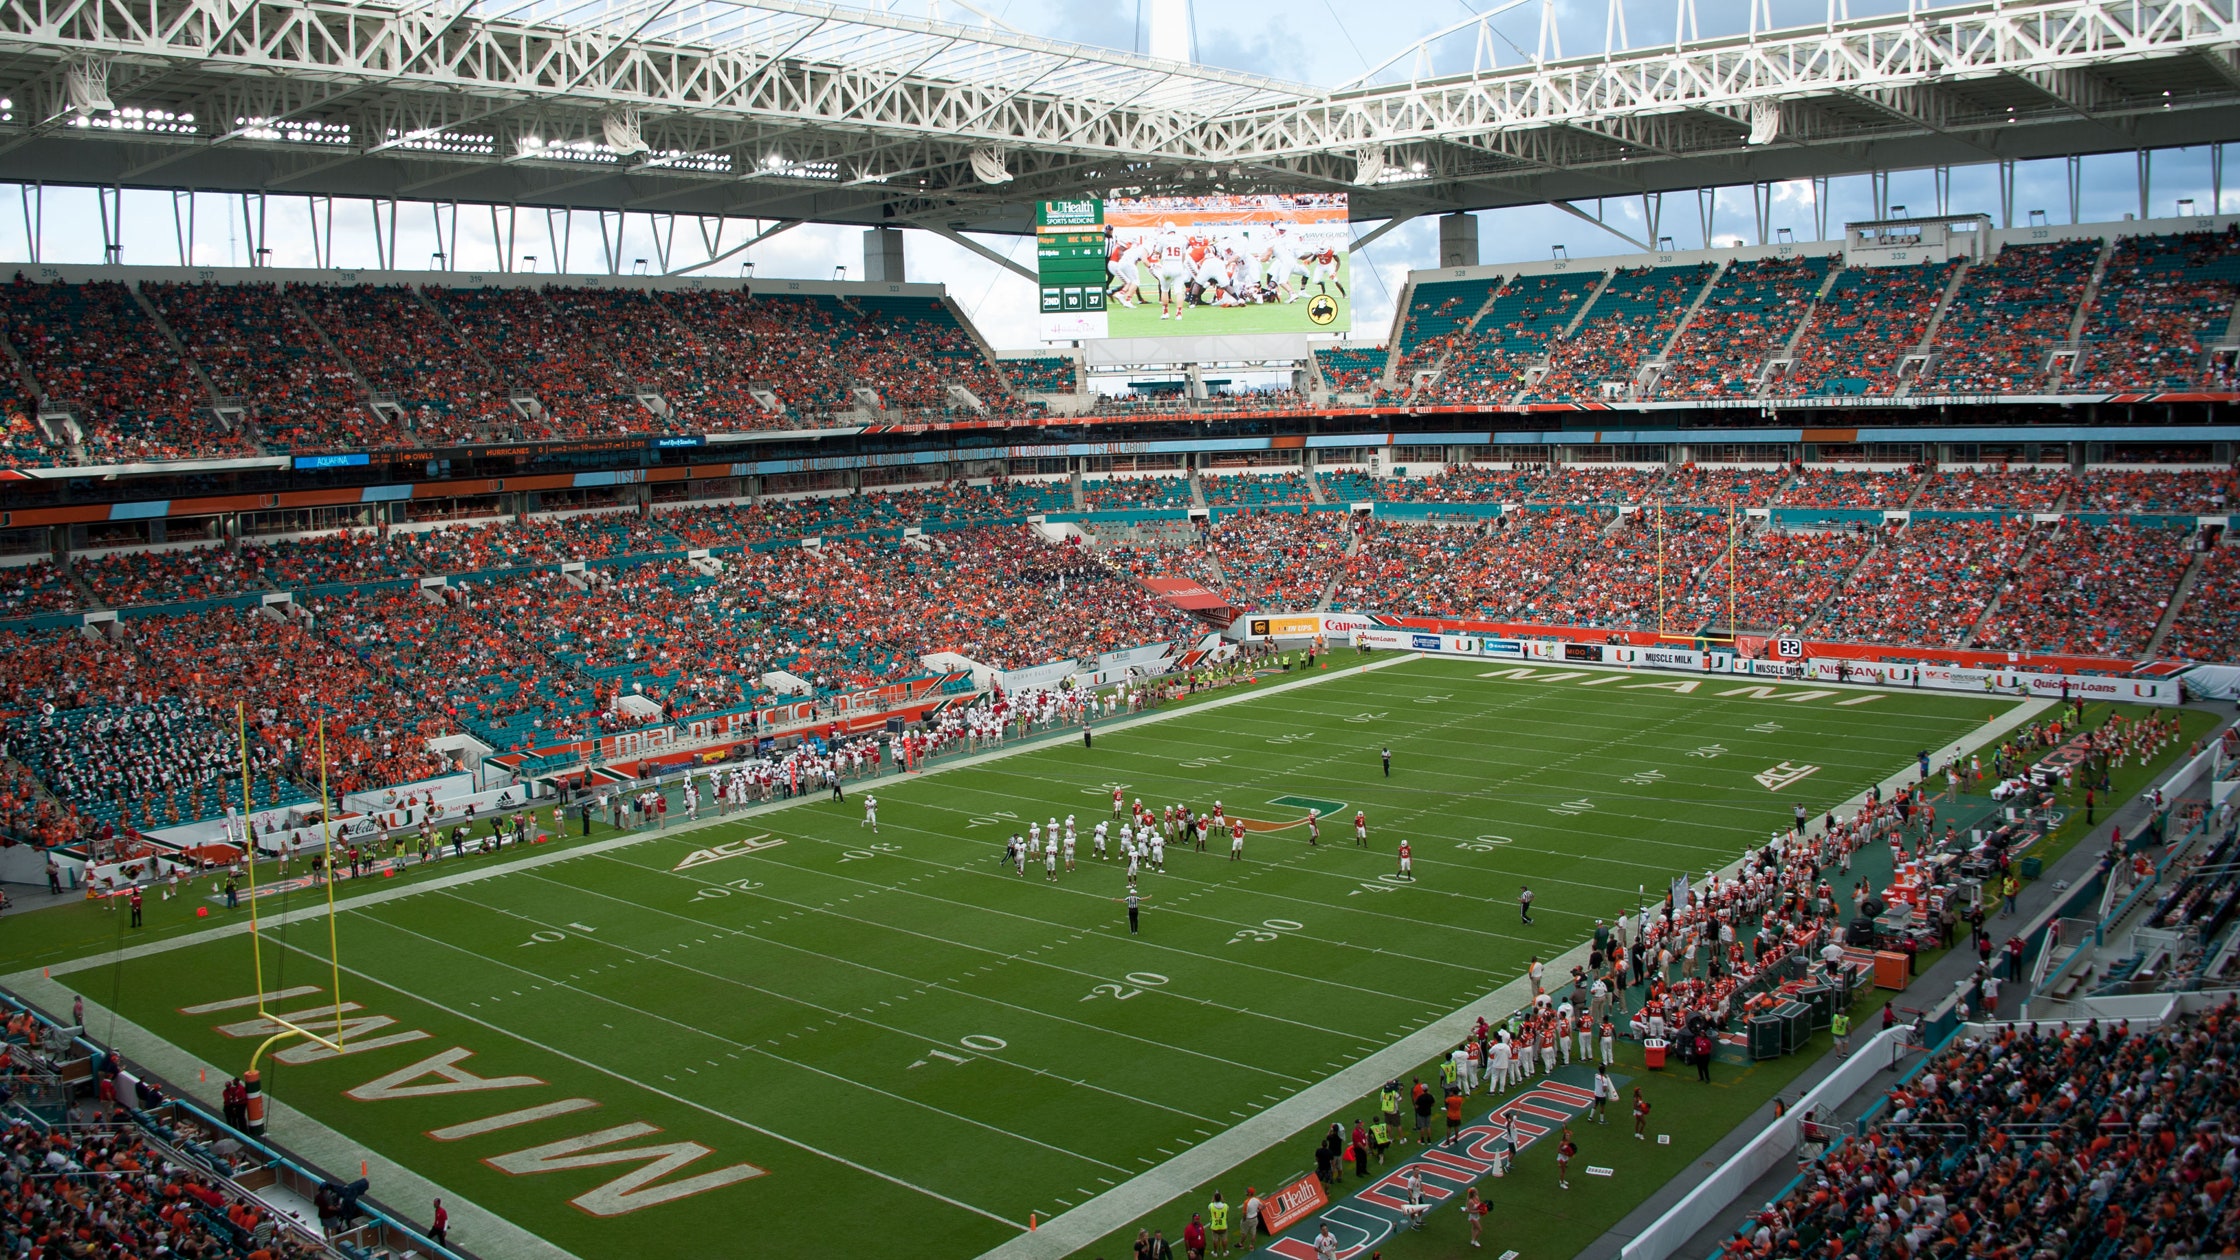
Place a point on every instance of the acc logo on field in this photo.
(1322, 308)
(1789, 649)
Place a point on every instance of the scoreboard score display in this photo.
(1070, 268)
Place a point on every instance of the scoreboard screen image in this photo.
(1193, 266)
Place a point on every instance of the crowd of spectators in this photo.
(549, 354)
(2208, 627)
(1349, 487)
(1500, 569)
(2090, 1141)
(122, 578)
(1487, 363)
(1779, 579)
(1824, 487)
(1722, 487)
(1871, 318)
(2177, 491)
(404, 349)
(1352, 369)
(1927, 581)
(1750, 315)
(103, 1189)
(1640, 575)
(1437, 322)
(1994, 489)
(2163, 300)
(257, 348)
(653, 352)
(1278, 560)
(38, 587)
(1462, 483)
(1248, 489)
(1630, 323)
(2009, 315)
(22, 443)
(1047, 374)
(92, 348)
(1155, 491)
(2088, 589)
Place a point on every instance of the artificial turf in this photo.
(899, 1033)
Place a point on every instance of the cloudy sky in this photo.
(1322, 42)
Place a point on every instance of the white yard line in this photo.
(1138, 1197)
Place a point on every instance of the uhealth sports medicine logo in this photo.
(1365, 1219)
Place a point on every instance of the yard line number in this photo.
(1138, 981)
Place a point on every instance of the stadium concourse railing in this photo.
(69, 1060)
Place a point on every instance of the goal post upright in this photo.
(252, 1078)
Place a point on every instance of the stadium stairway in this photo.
(211, 399)
(1788, 351)
(1922, 357)
(1197, 491)
(2064, 356)
(1920, 485)
(2177, 603)
(1535, 372)
(365, 387)
(1822, 607)
(1644, 384)
(1991, 610)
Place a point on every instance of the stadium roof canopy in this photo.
(791, 110)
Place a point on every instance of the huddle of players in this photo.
(1242, 267)
(1142, 835)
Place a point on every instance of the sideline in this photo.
(1131, 1200)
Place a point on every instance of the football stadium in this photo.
(1162, 631)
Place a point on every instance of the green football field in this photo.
(789, 1025)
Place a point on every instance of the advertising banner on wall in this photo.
(1336, 627)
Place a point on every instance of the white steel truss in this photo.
(792, 109)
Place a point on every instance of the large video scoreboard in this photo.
(1194, 266)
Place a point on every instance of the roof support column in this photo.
(34, 214)
(322, 231)
(182, 224)
(110, 204)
